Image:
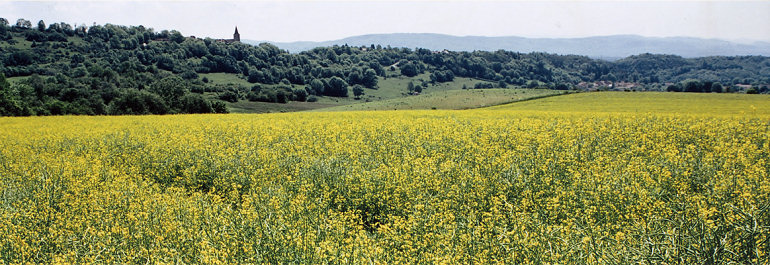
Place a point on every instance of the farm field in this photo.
(451, 99)
(573, 179)
(650, 102)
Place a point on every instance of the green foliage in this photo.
(102, 59)
(23, 23)
(337, 88)
(358, 91)
(442, 76)
(300, 94)
(316, 87)
(219, 107)
(370, 79)
(229, 96)
(717, 88)
(561, 86)
(171, 89)
(483, 85)
(194, 103)
(409, 69)
(138, 102)
(9, 104)
(451, 99)
(418, 88)
(176, 36)
(674, 88)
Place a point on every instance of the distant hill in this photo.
(608, 47)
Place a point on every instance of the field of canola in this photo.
(479, 186)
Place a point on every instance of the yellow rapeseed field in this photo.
(506, 185)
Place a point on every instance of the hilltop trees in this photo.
(23, 23)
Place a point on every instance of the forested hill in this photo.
(617, 46)
(109, 69)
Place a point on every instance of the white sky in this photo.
(284, 21)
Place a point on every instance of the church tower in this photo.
(236, 36)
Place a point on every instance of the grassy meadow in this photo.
(451, 99)
(590, 178)
(650, 102)
(392, 94)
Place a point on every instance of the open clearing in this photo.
(451, 99)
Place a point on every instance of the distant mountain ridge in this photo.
(608, 47)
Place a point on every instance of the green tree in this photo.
(18, 58)
(693, 86)
(219, 107)
(41, 25)
(337, 88)
(409, 69)
(229, 96)
(717, 88)
(358, 91)
(23, 23)
(316, 87)
(300, 94)
(171, 89)
(195, 103)
(137, 102)
(370, 78)
(176, 36)
(255, 75)
(9, 106)
(674, 88)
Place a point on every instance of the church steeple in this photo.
(236, 36)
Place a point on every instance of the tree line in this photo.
(113, 69)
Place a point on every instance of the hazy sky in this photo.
(328, 20)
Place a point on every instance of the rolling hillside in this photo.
(607, 47)
(118, 70)
(451, 99)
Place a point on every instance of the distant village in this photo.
(236, 37)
